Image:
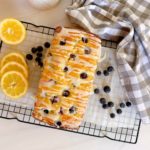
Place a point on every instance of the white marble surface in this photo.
(15, 135)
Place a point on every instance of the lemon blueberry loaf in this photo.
(67, 78)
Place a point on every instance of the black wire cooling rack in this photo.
(23, 113)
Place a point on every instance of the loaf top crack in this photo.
(67, 78)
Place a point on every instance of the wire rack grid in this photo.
(23, 113)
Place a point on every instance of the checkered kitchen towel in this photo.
(128, 23)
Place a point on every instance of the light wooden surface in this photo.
(20, 136)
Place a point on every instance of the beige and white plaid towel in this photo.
(128, 23)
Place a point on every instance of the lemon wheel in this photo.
(14, 84)
(14, 66)
(12, 31)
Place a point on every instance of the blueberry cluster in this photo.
(106, 72)
(109, 104)
(106, 104)
(38, 52)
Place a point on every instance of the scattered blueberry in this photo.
(102, 100)
(33, 50)
(72, 109)
(128, 104)
(83, 75)
(110, 69)
(110, 104)
(119, 111)
(58, 123)
(62, 42)
(122, 105)
(39, 48)
(29, 57)
(106, 73)
(39, 54)
(96, 90)
(107, 89)
(46, 111)
(112, 115)
(47, 44)
(65, 69)
(105, 106)
(66, 93)
(98, 73)
(84, 40)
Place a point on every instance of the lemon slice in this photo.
(17, 57)
(14, 84)
(12, 31)
(14, 66)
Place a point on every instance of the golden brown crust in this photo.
(67, 78)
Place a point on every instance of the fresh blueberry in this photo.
(29, 57)
(39, 54)
(106, 73)
(39, 48)
(105, 106)
(96, 90)
(107, 89)
(122, 105)
(33, 50)
(47, 44)
(102, 100)
(110, 104)
(128, 104)
(112, 115)
(38, 59)
(119, 111)
(110, 69)
(98, 73)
